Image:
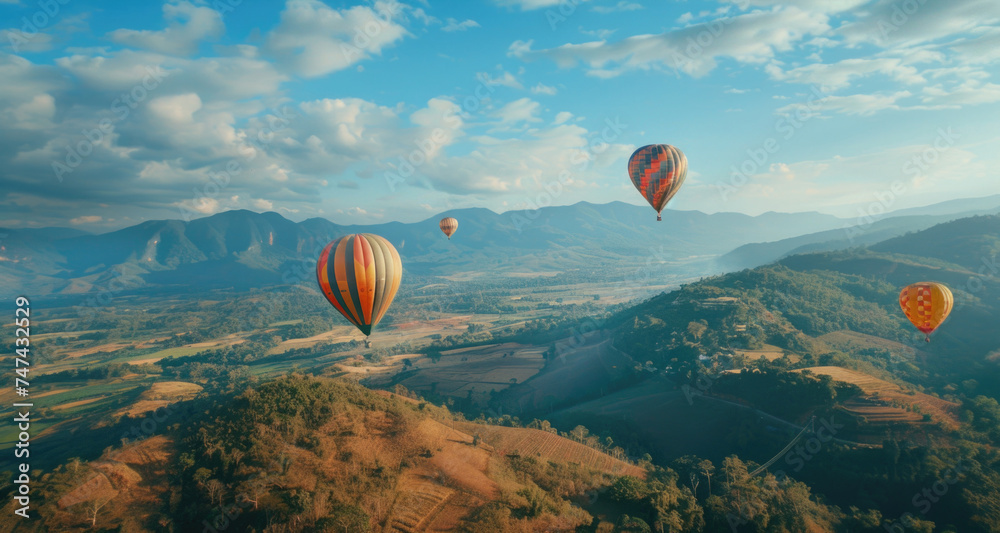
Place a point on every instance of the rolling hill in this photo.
(328, 456)
(894, 225)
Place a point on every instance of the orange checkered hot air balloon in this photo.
(359, 275)
(927, 305)
(658, 171)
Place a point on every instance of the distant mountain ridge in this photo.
(245, 249)
(894, 224)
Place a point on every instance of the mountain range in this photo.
(243, 249)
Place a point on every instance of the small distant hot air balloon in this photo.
(927, 305)
(658, 171)
(448, 226)
(359, 275)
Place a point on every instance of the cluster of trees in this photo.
(112, 370)
(769, 390)
(307, 327)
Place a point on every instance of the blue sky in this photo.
(315, 108)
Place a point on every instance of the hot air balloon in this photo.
(448, 226)
(658, 171)
(359, 275)
(927, 305)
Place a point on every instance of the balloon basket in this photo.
(368, 343)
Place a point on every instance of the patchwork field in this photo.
(883, 399)
(468, 372)
(161, 394)
(769, 352)
(575, 372)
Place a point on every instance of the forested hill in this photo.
(318, 454)
(970, 242)
(795, 303)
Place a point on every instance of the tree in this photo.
(633, 524)
(707, 469)
(253, 490)
(215, 489)
(94, 506)
(629, 488)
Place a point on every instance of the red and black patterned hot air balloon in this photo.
(359, 275)
(658, 171)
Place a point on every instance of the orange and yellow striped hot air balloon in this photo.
(927, 305)
(448, 225)
(360, 274)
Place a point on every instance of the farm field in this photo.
(877, 406)
(467, 372)
(847, 340)
(594, 365)
(769, 352)
(670, 422)
(161, 394)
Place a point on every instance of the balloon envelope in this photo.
(927, 305)
(658, 171)
(448, 226)
(359, 275)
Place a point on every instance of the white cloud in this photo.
(971, 92)
(843, 185)
(524, 164)
(213, 78)
(541, 88)
(886, 23)
(528, 5)
(20, 42)
(86, 219)
(748, 38)
(599, 33)
(202, 205)
(834, 76)
(562, 117)
(312, 39)
(855, 104)
(984, 48)
(622, 5)
(455, 25)
(521, 110)
(505, 79)
(825, 6)
(188, 25)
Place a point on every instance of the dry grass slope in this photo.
(548, 446)
(880, 392)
